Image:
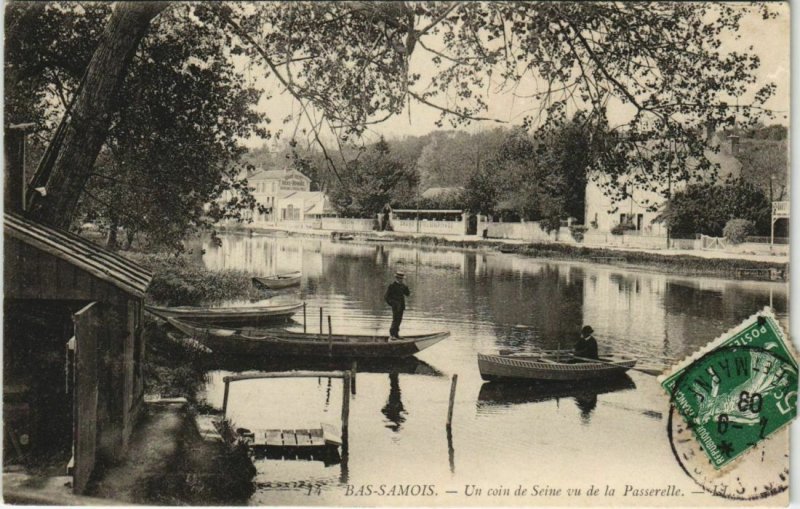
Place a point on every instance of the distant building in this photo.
(271, 186)
(286, 197)
(643, 206)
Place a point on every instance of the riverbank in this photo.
(672, 261)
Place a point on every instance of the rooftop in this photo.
(101, 263)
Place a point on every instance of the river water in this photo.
(502, 436)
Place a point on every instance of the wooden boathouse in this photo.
(72, 348)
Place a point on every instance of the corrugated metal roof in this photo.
(101, 263)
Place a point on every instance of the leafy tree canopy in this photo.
(706, 209)
(356, 64)
(375, 180)
(174, 139)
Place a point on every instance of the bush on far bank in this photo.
(737, 230)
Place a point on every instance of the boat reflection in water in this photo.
(505, 394)
(394, 410)
(400, 365)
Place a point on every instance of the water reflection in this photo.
(497, 394)
(489, 302)
(404, 365)
(394, 410)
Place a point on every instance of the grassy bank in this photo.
(173, 368)
(183, 281)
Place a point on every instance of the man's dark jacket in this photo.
(586, 348)
(396, 295)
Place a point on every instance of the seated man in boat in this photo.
(586, 347)
(396, 297)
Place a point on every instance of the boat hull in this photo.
(277, 283)
(290, 344)
(504, 367)
(231, 316)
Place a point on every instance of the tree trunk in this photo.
(130, 234)
(86, 129)
(111, 240)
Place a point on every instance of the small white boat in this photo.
(278, 281)
(550, 367)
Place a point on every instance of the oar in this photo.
(650, 372)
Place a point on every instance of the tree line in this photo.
(140, 110)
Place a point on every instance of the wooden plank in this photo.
(288, 374)
(303, 438)
(87, 331)
(273, 437)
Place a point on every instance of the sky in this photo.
(770, 40)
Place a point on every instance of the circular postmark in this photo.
(726, 421)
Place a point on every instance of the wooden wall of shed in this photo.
(30, 273)
(33, 274)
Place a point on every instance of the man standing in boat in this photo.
(396, 297)
(586, 347)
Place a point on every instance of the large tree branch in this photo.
(451, 112)
(72, 152)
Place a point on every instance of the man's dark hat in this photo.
(399, 274)
(587, 329)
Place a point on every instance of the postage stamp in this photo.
(738, 390)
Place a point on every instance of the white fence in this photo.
(428, 226)
(444, 227)
(530, 231)
(625, 240)
(347, 224)
(404, 225)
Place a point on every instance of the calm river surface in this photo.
(501, 435)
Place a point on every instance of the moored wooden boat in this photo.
(274, 313)
(278, 281)
(548, 367)
(270, 343)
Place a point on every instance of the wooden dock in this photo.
(326, 436)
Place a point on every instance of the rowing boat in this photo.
(277, 342)
(230, 316)
(278, 281)
(545, 366)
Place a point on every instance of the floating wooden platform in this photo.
(319, 444)
(323, 437)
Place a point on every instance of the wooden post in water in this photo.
(345, 406)
(320, 321)
(330, 336)
(353, 383)
(304, 317)
(452, 401)
(225, 399)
